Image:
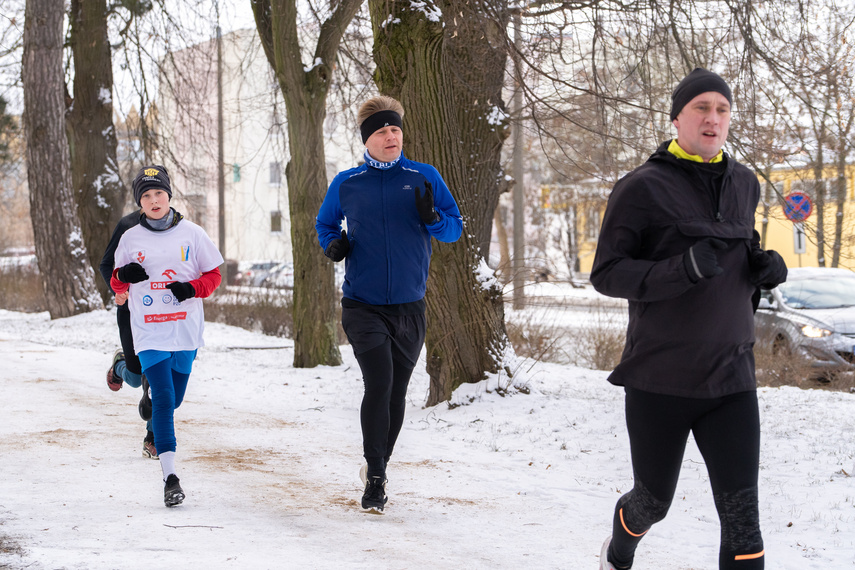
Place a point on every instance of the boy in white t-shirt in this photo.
(164, 267)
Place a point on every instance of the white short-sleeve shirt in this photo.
(181, 253)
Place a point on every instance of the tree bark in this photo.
(98, 190)
(304, 89)
(69, 281)
(448, 74)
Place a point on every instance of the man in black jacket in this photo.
(678, 242)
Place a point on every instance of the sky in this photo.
(269, 455)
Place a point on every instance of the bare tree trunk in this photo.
(304, 89)
(98, 190)
(69, 281)
(767, 199)
(819, 197)
(840, 200)
(504, 268)
(449, 75)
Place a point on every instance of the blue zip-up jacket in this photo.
(390, 246)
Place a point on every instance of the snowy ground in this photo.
(269, 458)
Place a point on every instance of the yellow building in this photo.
(797, 243)
(799, 248)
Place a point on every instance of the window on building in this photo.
(276, 221)
(811, 188)
(592, 224)
(275, 174)
(277, 126)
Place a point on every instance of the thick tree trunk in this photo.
(315, 339)
(448, 74)
(69, 280)
(98, 190)
(304, 89)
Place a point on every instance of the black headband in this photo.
(377, 121)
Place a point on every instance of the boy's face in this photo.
(154, 203)
(702, 125)
(385, 144)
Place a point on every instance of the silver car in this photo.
(811, 315)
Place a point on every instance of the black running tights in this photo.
(386, 379)
(727, 432)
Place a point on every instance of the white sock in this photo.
(167, 463)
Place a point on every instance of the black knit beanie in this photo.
(152, 176)
(698, 81)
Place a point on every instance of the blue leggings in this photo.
(167, 392)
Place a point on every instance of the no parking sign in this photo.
(797, 207)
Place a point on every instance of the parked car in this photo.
(280, 277)
(255, 274)
(811, 315)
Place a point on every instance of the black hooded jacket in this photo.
(684, 338)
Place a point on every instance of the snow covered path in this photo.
(269, 455)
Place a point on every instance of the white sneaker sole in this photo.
(604, 556)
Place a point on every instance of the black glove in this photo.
(132, 273)
(701, 260)
(338, 248)
(768, 268)
(424, 204)
(182, 291)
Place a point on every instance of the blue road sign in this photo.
(797, 207)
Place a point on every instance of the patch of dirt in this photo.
(262, 460)
(9, 546)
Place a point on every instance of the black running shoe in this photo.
(375, 494)
(172, 492)
(145, 402)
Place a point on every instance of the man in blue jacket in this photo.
(393, 206)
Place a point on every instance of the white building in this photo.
(257, 221)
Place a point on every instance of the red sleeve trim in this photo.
(116, 285)
(207, 283)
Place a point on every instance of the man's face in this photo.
(154, 203)
(702, 125)
(385, 144)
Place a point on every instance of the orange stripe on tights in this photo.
(747, 556)
(626, 529)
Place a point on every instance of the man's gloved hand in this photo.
(132, 273)
(424, 204)
(338, 248)
(768, 268)
(701, 260)
(182, 291)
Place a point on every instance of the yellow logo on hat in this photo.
(151, 172)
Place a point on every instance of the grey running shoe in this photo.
(114, 381)
(148, 448)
